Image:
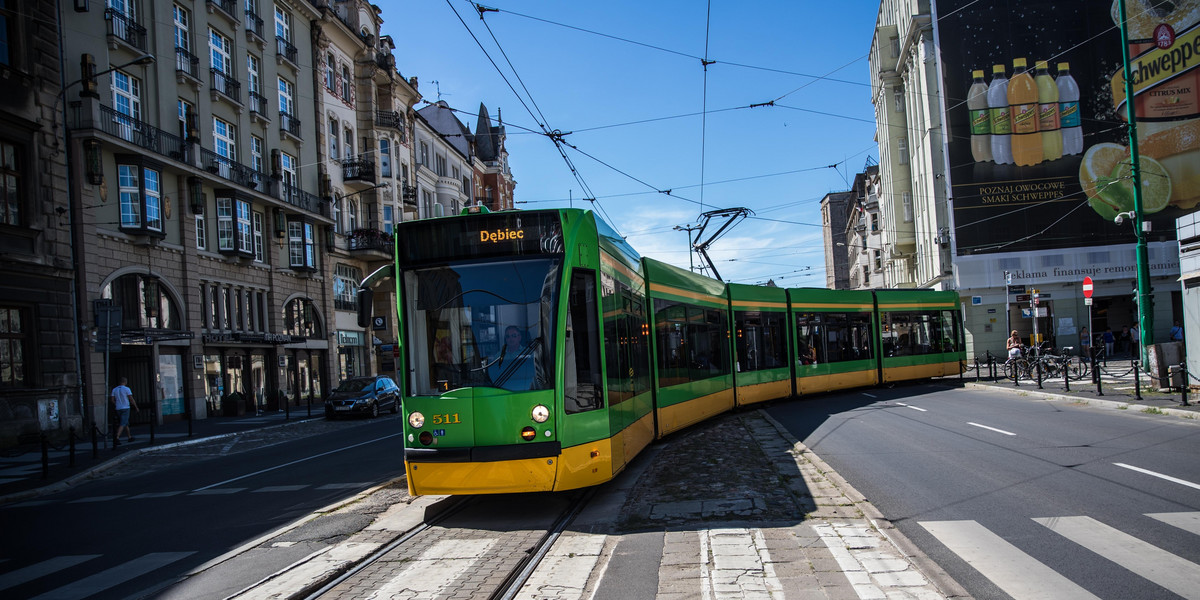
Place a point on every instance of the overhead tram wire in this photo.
(557, 140)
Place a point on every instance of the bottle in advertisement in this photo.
(981, 119)
(1068, 111)
(1048, 125)
(1023, 111)
(997, 98)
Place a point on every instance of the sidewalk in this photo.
(21, 469)
(1118, 389)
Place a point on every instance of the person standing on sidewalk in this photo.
(122, 398)
(1085, 343)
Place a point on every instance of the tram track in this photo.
(488, 544)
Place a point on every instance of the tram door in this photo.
(583, 387)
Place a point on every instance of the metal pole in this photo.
(1137, 379)
(1096, 377)
(1145, 314)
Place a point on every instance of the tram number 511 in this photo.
(446, 419)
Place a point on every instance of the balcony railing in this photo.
(299, 198)
(226, 85)
(254, 24)
(358, 169)
(187, 63)
(285, 49)
(124, 28)
(289, 124)
(258, 103)
(370, 239)
(232, 170)
(391, 119)
(226, 6)
(409, 193)
(138, 133)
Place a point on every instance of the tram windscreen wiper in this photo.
(515, 363)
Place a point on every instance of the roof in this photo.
(442, 120)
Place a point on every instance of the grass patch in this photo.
(1123, 407)
(1153, 410)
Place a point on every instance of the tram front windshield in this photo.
(481, 324)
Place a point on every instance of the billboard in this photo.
(1037, 143)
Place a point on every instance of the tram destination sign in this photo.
(479, 236)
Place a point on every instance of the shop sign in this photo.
(350, 338)
(250, 338)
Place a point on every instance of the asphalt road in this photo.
(135, 530)
(1019, 497)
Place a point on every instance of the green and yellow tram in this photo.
(542, 353)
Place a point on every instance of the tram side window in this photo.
(582, 390)
(810, 348)
(761, 340)
(951, 341)
(912, 333)
(709, 332)
(670, 323)
(625, 349)
(860, 335)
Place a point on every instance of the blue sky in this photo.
(634, 108)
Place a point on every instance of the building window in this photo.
(908, 207)
(302, 252)
(10, 185)
(256, 158)
(143, 301)
(288, 163)
(385, 157)
(283, 23)
(335, 209)
(184, 108)
(182, 26)
(346, 83)
(866, 277)
(259, 248)
(201, 234)
(127, 103)
(300, 319)
(330, 75)
(441, 165)
(902, 149)
(8, 19)
(874, 222)
(878, 260)
(286, 93)
(352, 215)
(898, 98)
(388, 218)
(14, 346)
(234, 229)
(333, 139)
(221, 49)
(425, 154)
(252, 76)
(141, 198)
(895, 45)
(225, 144)
(345, 286)
(348, 136)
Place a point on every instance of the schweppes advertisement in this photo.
(1037, 142)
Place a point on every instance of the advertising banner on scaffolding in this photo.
(1037, 143)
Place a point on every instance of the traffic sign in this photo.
(1087, 287)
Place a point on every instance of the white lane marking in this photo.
(434, 570)
(297, 461)
(150, 495)
(705, 573)
(1187, 521)
(217, 492)
(869, 395)
(912, 407)
(1159, 475)
(46, 567)
(96, 499)
(1168, 570)
(279, 488)
(345, 486)
(991, 428)
(115, 576)
(563, 574)
(1018, 574)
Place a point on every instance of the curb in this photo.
(1102, 402)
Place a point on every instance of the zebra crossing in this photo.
(89, 585)
(1026, 578)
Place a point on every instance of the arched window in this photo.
(352, 215)
(300, 319)
(144, 303)
(346, 82)
(330, 74)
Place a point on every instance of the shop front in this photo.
(236, 373)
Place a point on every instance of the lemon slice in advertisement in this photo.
(1098, 162)
(1156, 183)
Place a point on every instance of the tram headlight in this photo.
(540, 413)
(528, 433)
(416, 420)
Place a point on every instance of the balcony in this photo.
(299, 198)
(123, 28)
(258, 106)
(289, 125)
(254, 28)
(285, 50)
(227, 8)
(392, 120)
(409, 194)
(225, 85)
(371, 244)
(136, 132)
(358, 170)
(187, 66)
(231, 170)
